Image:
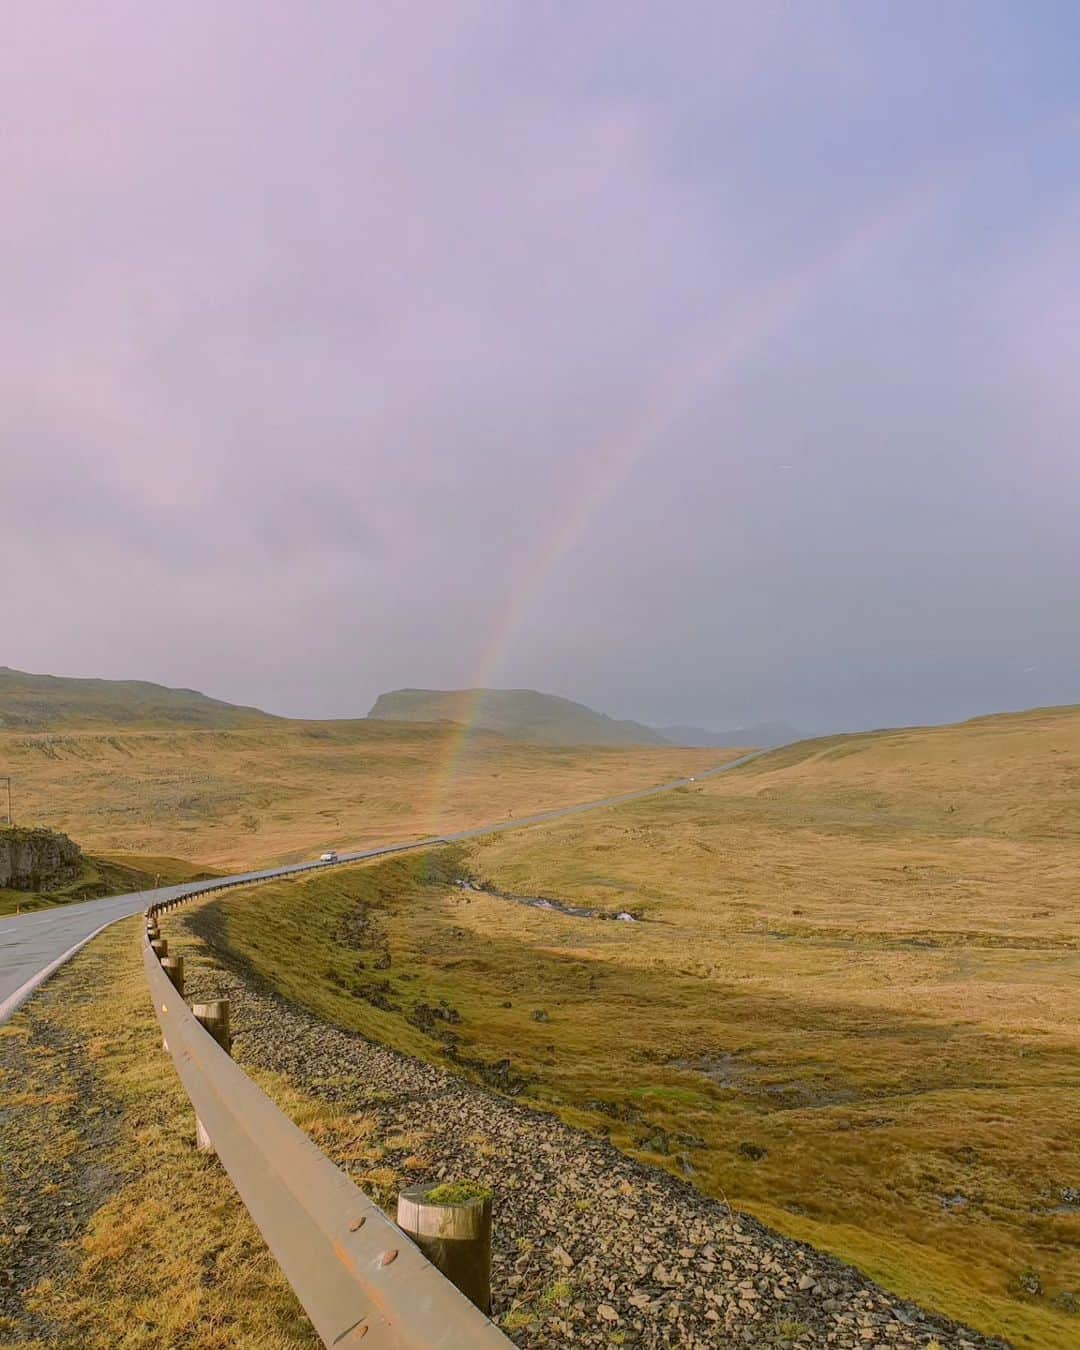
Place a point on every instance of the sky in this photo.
(703, 362)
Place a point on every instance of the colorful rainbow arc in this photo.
(679, 386)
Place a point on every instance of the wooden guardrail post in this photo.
(214, 1017)
(173, 966)
(451, 1224)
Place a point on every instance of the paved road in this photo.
(33, 945)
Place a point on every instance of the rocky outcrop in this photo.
(37, 860)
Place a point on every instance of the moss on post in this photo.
(451, 1224)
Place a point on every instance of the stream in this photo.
(541, 902)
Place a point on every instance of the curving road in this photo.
(33, 945)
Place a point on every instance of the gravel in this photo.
(591, 1247)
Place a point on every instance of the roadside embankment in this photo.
(591, 1248)
(114, 1232)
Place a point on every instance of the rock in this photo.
(1029, 1282)
(37, 860)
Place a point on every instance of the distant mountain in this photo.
(763, 734)
(519, 714)
(40, 702)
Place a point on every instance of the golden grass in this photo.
(170, 1257)
(857, 984)
(278, 791)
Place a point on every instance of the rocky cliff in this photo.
(37, 860)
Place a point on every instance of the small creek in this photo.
(542, 902)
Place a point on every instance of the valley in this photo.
(850, 1007)
(232, 798)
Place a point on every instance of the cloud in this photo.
(592, 348)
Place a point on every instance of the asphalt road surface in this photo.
(33, 945)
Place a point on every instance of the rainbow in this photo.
(679, 385)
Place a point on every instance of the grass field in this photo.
(277, 790)
(851, 1006)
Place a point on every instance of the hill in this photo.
(849, 1005)
(764, 734)
(39, 702)
(518, 714)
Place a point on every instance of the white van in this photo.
(328, 857)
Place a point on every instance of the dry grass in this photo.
(278, 791)
(169, 1256)
(857, 985)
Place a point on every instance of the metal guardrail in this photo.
(357, 1275)
(187, 890)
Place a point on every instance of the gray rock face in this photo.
(37, 860)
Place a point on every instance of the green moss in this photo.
(458, 1193)
(560, 1292)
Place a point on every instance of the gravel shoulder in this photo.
(591, 1247)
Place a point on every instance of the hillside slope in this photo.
(38, 702)
(277, 790)
(850, 1003)
(519, 714)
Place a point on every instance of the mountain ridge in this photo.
(40, 702)
(518, 714)
(32, 702)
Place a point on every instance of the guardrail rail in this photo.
(357, 1275)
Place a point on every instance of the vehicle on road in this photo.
(328, 857)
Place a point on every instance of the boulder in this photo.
(37, 860)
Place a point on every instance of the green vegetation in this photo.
(851, 1007)
(458, 1193)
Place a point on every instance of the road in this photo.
(33, 945)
